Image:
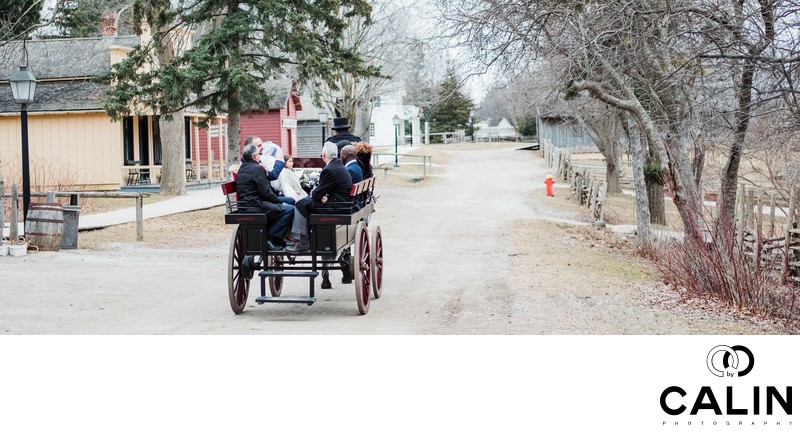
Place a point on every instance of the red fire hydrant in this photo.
(548, 180)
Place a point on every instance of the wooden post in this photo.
(772, 215)
(14, 230)
(209, 157)
(742, 220)
(786, 249)
(602, 201)
(221, 156)
(759, 214)
(758, 229)
(196, 156)
(139, 218)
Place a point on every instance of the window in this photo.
(187, 136)
(144, 141)
(376, 101)
(156, 140)
(371, 129)
(127, 140)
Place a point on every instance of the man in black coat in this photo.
(331, 195)
(342, 127)
(255, 194)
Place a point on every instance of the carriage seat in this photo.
(236, 214)
(361, 194)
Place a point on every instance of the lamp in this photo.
(471, 126)
(396, 122)
(23, 88)
(323, 118)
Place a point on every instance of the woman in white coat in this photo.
(288, 182)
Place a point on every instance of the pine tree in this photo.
(18, 18)
(451, 109)
(248, 42)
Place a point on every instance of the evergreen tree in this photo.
(18, 18)
(248, 42)
(451, 109)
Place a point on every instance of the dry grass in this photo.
(190, 229)
(98, 205)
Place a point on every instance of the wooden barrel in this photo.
(44, 226)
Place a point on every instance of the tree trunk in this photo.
(173, 166)
(234, 156)
(730, 173)
(655, 199)
(613, 166)
(655, 192)
(637, 166)
(173, 158)
(698, 164)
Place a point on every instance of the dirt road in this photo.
(477, 250)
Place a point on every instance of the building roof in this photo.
(62, 58)
(74, 95)
(62, 67)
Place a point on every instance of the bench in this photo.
(190, 173)
(136, 174)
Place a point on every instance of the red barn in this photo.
(278, 124)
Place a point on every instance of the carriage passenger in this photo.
(348, 157)
(254, 192)
(332, 191)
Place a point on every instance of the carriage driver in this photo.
(254, 191)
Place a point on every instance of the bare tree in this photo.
(381, 41)
(604, 125)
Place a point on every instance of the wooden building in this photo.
(72, 142)
(277, 124)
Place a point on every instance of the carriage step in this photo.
(306, 274)
(308, 300)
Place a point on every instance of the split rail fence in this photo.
(767, 224)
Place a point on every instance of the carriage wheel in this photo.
(240, 271)
(363, 276)
(376, 262)
(275, 283)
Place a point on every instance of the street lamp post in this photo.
(471, 126)
(23, 87)
(396, 122)
(323, 118)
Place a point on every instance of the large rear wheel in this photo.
(240, 271)
(376, 262)
(361, 271)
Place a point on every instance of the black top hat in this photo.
(340, 123)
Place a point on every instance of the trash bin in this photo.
(69, 240)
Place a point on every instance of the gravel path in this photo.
(477, 249)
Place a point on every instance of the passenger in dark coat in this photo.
(332, 193)
(255, 194)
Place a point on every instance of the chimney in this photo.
(109, 24)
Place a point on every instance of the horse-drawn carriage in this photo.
(332, 236)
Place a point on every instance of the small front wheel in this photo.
(275, 263)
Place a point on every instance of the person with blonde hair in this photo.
(364, 156)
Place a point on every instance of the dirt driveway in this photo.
(478, 249)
